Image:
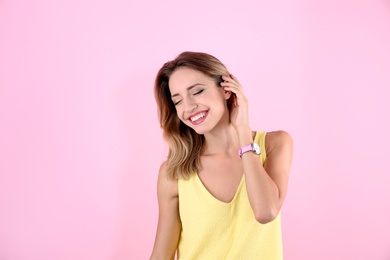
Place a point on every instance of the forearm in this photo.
(263, 193)
(165, 246)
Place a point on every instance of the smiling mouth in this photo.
(198, 116)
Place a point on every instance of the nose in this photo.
(190, 105)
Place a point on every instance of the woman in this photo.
(222, 187)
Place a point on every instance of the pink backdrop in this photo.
(80, 144)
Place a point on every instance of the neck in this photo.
(223, 140)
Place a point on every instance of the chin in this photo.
(201, 130)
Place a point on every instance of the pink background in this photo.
(80, 144)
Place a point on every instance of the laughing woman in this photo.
(222, 187)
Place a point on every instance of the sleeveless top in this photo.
(215, 230)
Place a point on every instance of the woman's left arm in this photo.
(266, 185)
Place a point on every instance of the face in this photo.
(199, 103)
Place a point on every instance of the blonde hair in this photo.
(185, 145)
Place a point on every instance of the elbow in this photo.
(154, 257)
(161, 256)
(264, 217)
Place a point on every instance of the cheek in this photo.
(179, 113)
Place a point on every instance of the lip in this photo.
(200, 120)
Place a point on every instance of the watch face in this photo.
(256, 148)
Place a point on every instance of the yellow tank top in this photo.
(215, 230)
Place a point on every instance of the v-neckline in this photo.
(237, 190)
(216, 199)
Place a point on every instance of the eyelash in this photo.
(200, 91)
(196, 93)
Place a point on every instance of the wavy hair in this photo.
(185, 145)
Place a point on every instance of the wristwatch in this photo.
(254, 147)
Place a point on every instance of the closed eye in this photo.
(177, 102)
(198, 92)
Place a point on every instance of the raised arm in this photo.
(169, 225)
(266, 186)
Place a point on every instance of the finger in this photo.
(238, 95)
(228, 79)
(229, 83)
(231, 78)
(232, 84)
(235, 79)
(233, 89)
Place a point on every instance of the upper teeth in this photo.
(200, 115)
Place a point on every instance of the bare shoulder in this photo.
(166, 185)
(278, 140)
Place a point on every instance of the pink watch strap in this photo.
(245, 149)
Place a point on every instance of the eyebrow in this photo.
(189, 88)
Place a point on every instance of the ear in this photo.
(227, 94)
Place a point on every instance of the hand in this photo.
(239, 111)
